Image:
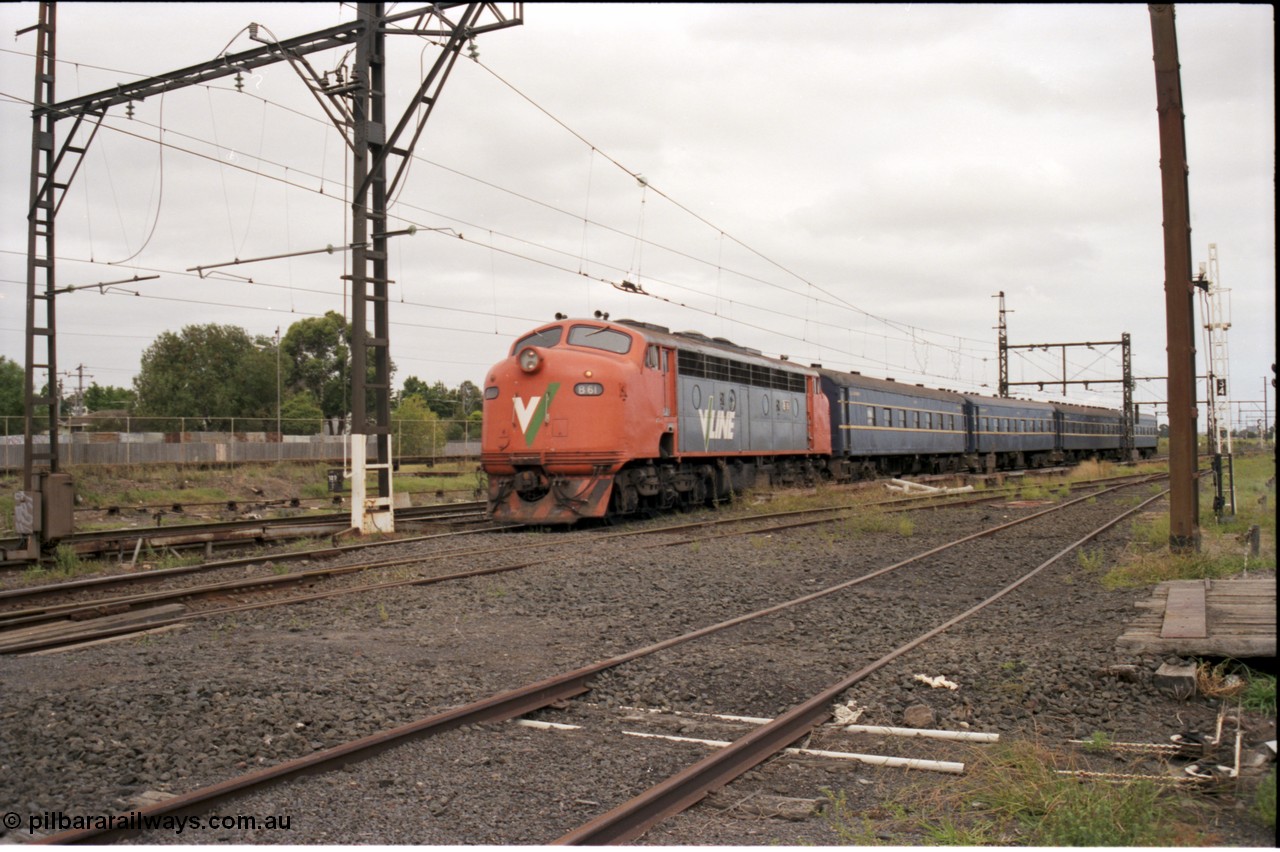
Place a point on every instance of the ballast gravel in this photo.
(103, 729)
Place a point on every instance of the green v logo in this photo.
(534, 412)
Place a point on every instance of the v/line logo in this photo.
(716, 425)
(534, 412)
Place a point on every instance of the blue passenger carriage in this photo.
(1146, 435)
(879, 426)
(1011, 433)
(1085, 431)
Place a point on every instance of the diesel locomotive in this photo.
(588, 418)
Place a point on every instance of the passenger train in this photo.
(588, 418)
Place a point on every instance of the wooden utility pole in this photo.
(1184, 499)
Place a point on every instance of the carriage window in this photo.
(545, 339)
(600, 338)
(888, 417)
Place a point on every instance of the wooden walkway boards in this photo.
(1206, 618)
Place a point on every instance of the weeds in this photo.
(1099, 741)
(1091, 560)
(1012, 795)
(1264, 800)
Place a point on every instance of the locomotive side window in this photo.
(701, 366)
(606, 339)
(546, 339)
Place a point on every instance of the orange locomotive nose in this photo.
(554, 418)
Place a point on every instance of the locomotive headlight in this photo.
(588, 389)
(529, 360)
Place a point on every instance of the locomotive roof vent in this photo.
(729, 344)
(649, 325)
(693, 335)
(890, 379)
(816, 366)
(855, 372)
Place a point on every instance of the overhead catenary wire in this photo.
(912, 332)
(243, 167)
(919, 344)
(224, 164)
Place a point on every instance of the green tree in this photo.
(210, 372)
(301, 414)
(470, 399)
(317, 355)
(12, 381)
(417, 428)
(100, 398)
(440, 399)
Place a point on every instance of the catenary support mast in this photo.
(457, 23)
(1184, 499)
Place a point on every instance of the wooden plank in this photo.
(1184, 614)
(1239, 619)
(67, 628)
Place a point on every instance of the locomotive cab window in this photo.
(545, 339)
(606, 339)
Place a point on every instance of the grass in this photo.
(1264, 801)
(1255, 690)
(1224, 547)
(1011, 795)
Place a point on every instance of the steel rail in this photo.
(88, 609)
(503, 706)
(96, 608)
(681, 791)
(297, 555)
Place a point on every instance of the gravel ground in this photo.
(89, 731)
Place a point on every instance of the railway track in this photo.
(48, 617)
(637, 813)
(43, 617)
(128, 544)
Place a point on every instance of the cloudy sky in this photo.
(844, 184)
